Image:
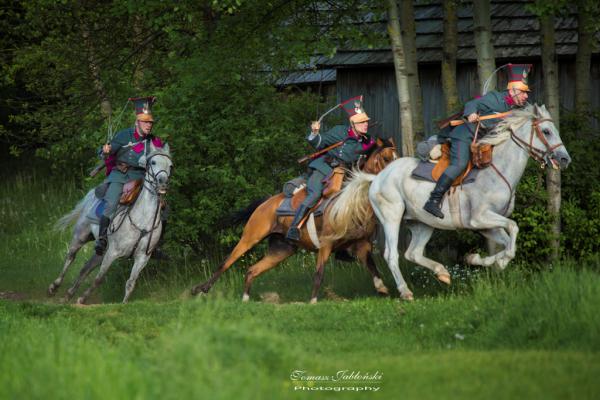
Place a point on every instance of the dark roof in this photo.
(308, 77)
(515, 32)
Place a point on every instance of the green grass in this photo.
(502, 336)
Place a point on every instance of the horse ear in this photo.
(392, 141)
(379, 142)
(536, 110)
(166, 148)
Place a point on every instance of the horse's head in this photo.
(384, 153)
(532, 129)
(158, 168)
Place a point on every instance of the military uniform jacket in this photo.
(127, 147)
(492, 102)
(347, 153)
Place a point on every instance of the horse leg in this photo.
(390, 216)
(79, 239)
(489, 221)
(85, 271)
(324, 253)
(363, 253)
(498, 236)
(279, 250)
(251, 237)
(420, 235)
(108, 259)
(141, 259)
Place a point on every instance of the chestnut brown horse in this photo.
(264, 222)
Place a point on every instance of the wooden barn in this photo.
(516, 38)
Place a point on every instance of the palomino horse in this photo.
(483, 205)
(263, 222)
(134, 230)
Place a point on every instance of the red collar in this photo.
(354, 135)
(509, 100)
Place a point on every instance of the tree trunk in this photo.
(407, 24)
(401, 79)
(550, 73)
(482, 29)
(583, 58)
(449, 56)
(94, 66)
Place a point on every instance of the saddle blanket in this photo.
(424, 169)
(286, 209)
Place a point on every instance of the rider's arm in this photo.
(334, 135)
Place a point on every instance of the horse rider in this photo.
(515, 96)
(125, 161)
(354, 142)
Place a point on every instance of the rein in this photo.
(535, 153)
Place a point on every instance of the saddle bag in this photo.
(481, 155)
(130, 191)
(333, 183)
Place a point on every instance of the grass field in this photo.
(491, 336)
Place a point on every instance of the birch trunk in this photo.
(550, 72)
(401, 79)
(407, 24)
(482, 29)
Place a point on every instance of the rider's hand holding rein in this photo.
(106, 149)
(472, 118)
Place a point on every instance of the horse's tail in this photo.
(72, 215)
(242, 216)
(351, 210)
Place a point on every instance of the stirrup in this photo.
(434, 209)
(101, 245)
(293, 234)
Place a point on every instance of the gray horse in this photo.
(134, 231)
(483, 205)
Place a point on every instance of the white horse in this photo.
(134, 231)
(483, 205)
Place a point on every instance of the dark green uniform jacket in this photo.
(127, 147)
(492, 102)
(349, 152)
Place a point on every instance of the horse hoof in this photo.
(473, 259)
(383, 291)
(313, 300)
(204, 288)
(245, 298)
(407, 296)
(51, 290)
(445, 278)
(80, 301)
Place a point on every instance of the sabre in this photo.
(109, 135)
(332, 109)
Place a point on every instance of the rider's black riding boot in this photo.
(102, 241)
(433, 205)
(294, 233)
(158, 253)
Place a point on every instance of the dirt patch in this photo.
(15, 296)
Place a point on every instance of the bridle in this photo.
(539, 155)
(153, 181)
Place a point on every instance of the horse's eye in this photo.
(153, 162)
(546, 132)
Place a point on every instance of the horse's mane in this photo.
(511, 123)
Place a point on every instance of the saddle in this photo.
(131, 190)
(333, 185)
(481, 157)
